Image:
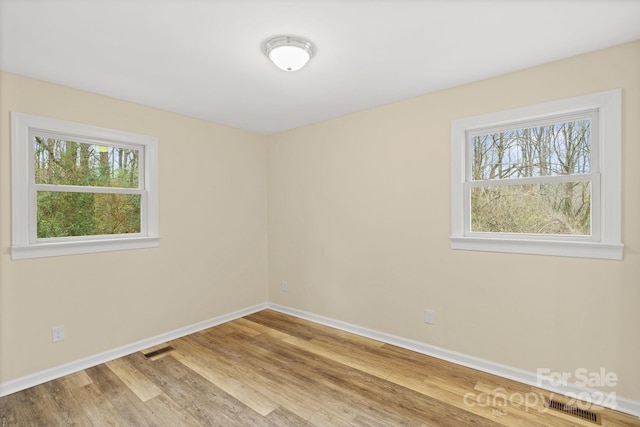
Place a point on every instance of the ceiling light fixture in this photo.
(289, 53)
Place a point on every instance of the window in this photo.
(80, 189)
(543, 179)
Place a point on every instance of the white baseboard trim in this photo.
(88, 362)
(611, 401)
(608, 400)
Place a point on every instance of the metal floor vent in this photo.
(158, 352)
(575, 411)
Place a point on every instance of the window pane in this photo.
(562, 148)
(557, 208)
(87, 214)
(64, 162)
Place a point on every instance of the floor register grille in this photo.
(574, 410)
(158, 352)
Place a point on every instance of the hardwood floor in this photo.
(270, 369)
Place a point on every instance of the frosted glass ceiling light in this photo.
(289, 53)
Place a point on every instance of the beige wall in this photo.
(358, 223)
(212, 255)
(359, 220)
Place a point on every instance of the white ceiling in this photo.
(203, 58)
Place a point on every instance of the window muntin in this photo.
(80, 189)
(533, 178)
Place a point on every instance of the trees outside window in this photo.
(79, 188)
(533, 179)
(74, 184)
(543, 179)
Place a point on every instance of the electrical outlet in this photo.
(57, 334)
(285, 288)
(428, 317)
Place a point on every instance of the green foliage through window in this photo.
(64, 213)
(76, 163)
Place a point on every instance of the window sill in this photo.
(42, 250)
(537, 247)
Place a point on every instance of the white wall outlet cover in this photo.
(57, 334)
(429, 316)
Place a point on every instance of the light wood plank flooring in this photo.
(270, 369)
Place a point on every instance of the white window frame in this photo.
(25, 243)
(605, 241)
